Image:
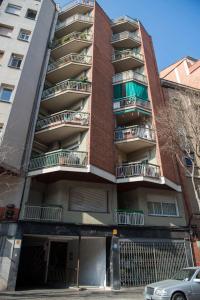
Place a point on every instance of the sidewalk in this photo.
(73, 294)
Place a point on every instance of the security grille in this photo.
(148, 261)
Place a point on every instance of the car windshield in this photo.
(185, 274)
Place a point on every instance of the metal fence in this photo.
(65, 117)
(59, 158)
(129, 218)
(73, 3)
(40, 213)
(133, 132)
(125, 35)
(131, 101)
(137, 169)
(148, 261)
(72, 36)
(74, 18)
(67, 85)
(126, 54)
(129, 75)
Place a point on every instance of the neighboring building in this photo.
(102, 203)
(185, 71)
(24, 34)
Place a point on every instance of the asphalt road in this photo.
(134, 294)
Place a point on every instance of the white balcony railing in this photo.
(133, 132)
(73, 57)
(128, 76)
(74, 18)
(83, 36)
(74, 3)
(60, 157)
(131, 101)
(40, 213)
(129, 217)
(125, 35)
(64, 117)
(118, 55)
(137, 169)
(67, 85)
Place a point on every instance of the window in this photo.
(162, 209)
(31, 14)
(13, 9)
(6, 93)
(24, 35)
(5, 30)
(15, 61)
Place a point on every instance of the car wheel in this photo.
(178, 296)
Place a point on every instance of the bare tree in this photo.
(179, 128)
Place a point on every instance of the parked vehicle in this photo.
(184, 285)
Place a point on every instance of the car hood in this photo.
(165, 284)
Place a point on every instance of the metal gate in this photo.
(143, 262)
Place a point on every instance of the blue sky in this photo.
(173, 24)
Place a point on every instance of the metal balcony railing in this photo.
(134, 132)
(125, 35)
(123, 217)
(137, 169)
(59, 158)
(128, 76)
(127, 54)
(74, 3)
(73, 57)
(71, 85)
(125, 19)
(64, 117)
(74, 18)
(131, 101)
(41, 213)
(70, 37)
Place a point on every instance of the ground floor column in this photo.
(115, 264)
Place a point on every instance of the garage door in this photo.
(143, 262)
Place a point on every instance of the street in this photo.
(70, 294)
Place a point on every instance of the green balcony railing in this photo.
(124, 19)
(118, 55)
(67, 85)
(64, 117)
(128, 102)
(74, 18)
(73, 57)
(129, 76)
(133, 132)
(74, 3)
(59, 158)
(125, 35)
(83, 36)
(137, 169)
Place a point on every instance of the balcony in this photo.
(65, 94)
(126, 60)
(67, 158)
(129, 76)
(128, 217)
(41, 213)
(125, 39)
(124, 23)
(131, 103)
(134, 138)
(61, 125)
(70, 65)
(76, 6)
(74, 42)
(137, 170)
(76, 22)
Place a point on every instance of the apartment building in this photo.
(25, 28)
(102, 204)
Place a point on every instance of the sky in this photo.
(173, 24)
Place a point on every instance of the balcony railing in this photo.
(128, 76)
(41, 213)
(125, 35)
(73, 57)
(74, 3)
(64, 117)
(137, 169)
(70, 37)
(127, 54)
(129, 217)
(134, 132)
(131, 101)
(125, 19)
(71, 85)
(59, 158)
(74, 18)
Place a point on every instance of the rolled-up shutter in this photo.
(88, 199)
